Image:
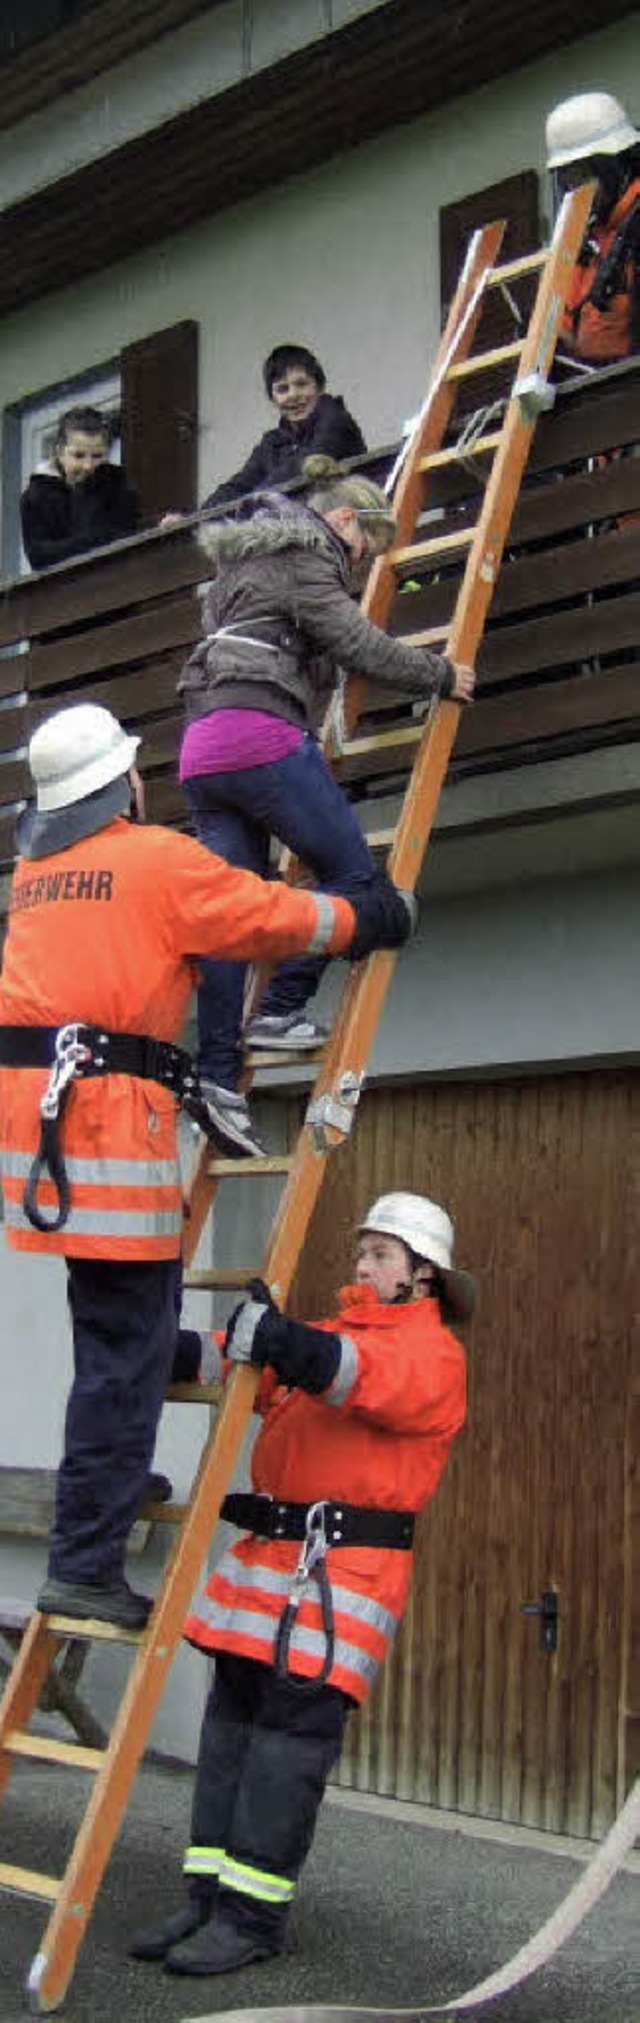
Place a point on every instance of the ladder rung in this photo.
(455, 454)
(484, 360)
(193, 1394)
(220, 1281)
(166, 1513)
(282, 1057)
(527, 264)
(90, 1629)
(47, 1749)
(445, 544)
(380, 839)
(232, 1169)
(381, 741)
(28, 1882)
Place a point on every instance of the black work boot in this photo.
(117, 1603)
(155, 1941)
(223, 1947)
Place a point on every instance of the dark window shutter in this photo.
(517, 200)
(160, 419)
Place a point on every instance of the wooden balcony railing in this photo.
(560, 663)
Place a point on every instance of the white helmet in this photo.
(593, 123)
(428, 1232)
(76, 752)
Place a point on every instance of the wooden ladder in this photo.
(339, 1079)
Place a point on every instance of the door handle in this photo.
(547, 1611)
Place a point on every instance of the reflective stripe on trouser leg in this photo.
(203, 1861)
(255, 1882)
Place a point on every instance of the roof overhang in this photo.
(388, 66)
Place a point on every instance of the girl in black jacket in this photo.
(78, 501)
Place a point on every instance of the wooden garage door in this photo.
(472, 1713)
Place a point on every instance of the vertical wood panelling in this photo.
(541, 1178)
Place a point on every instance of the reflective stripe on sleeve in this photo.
(324, 927)
(346, 1375)
(255, 1882)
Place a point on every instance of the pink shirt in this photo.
(228, 740)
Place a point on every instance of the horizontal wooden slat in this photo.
(588, 701)
(141, 692)
(123, 574)
(28, 1882)
(152, 629)
(606, 626)
(47, 1749)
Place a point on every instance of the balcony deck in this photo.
(559, 669)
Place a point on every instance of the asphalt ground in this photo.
(393, 1910)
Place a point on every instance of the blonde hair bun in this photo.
(318, 468)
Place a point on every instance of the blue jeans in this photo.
(298, 800)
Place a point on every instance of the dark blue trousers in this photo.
(267, 1747)
(125, 1320)
(236, 814)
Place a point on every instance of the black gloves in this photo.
(386, 917)
(258, 1333)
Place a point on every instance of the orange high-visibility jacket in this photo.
(601, 335)
(379, 1438)
(109, 931)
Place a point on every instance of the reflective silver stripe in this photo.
(246, 1623)
(324, 927)
(346, 1375)
(100, 1172)
(105, 1221)
(256, 1882)
(266, 1580)
(244, 1329)
(203, 1861)
(211, 1365)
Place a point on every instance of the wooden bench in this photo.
(27, 1499)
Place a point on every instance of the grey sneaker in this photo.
(228, 1121)
(291, 1033)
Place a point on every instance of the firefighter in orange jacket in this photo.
(590, 136)
(359, 1414)
(106, 921)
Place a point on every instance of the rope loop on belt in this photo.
(311, 1566)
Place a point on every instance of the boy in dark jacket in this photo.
(78, 501)
(311, 422)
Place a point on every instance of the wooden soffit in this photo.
(388, 66)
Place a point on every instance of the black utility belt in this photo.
(344, 1523)
(105, 1053)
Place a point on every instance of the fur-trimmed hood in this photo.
(271, 524)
